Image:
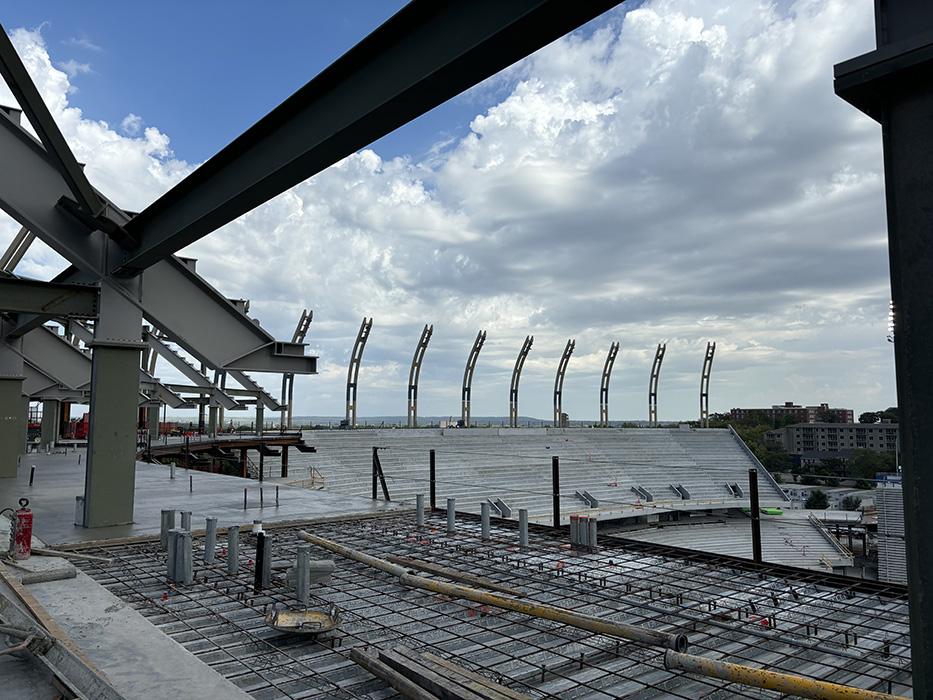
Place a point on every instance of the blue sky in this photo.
(205, 71)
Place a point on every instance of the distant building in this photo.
(799, 493)
(792, 411)
(827, 438)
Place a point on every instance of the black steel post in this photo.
(756, 514)
(187, 451)
(433, 477)
(375, 457)
(260, 561)
(555, 488)
(262, 462)
(893, 85)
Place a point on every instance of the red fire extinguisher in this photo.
(21, 531)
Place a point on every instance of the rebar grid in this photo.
(842, 636)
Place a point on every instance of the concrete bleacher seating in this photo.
(514, 465)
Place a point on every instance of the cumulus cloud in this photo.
(131, 124)
(73, 68)
(682, 172)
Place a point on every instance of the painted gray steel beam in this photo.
(11, 256)
(414, 374)
(179, 300)
(19, 295)
(20, 251)
(57, 357)
(604, 384)
(189, 371)
(353, 371)
(250, 384)
(466, 391)
(36, 381)
(559, 380)
(653, 384)
(516, 377)
(892, 84)
(35, 109)
(424, 55)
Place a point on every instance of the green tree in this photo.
(818, 500)
(824, 415)
(868, 417)
(851, 503)
(866, 463)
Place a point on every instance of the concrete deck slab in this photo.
(59, 478)
(137, 658)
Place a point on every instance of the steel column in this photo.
(555, 489)
(704, 384)
(894, 85)
(414, 373)
(516, 377)
(49, 426)
(109, 485)
(466, 392)
(353, 372)
(604, 384)
(755, 509)
(559, 381)
(653, 384)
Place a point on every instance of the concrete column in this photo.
(168, 524)
(523, 528)
(110, 477)
(210, 540)
(233, 549)
(12, 413)
(152, 418)
(484, 519)
(419, 510)
(64, 416)
(451, 515)
(49, 422)
(212, 420)
(303, 574)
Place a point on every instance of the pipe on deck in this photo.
(644, 635)
(785, 683)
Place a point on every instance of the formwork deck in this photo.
(793, 620)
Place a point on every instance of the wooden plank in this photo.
(409, 664)
(455, 575)
(403, 685)
(502, 690)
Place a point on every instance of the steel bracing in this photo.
(353, 372)
(414, 373)
(288, 379)
(704, 383)
(604, 384)
(892, 85)
(516, 376)
(559, 381)
(16, 250)
(466, 393)
(653, 384)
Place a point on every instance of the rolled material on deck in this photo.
(785, 683)
(644, 635)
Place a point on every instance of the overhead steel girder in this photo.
(250, 384)
(16, 250)
(425, 54)
(26, 93)
(516, 376)
(704, 383)
(559, 380)
(172, 297)
(189, 371)
(414, 373)
(604, 384)
(159, 391)
(19, 295)
(36, 381)
(57, 358)
(653, 384)
(466, 392)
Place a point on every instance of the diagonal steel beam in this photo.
(422, 56)
(25, 92)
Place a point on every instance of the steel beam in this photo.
(559, 381)
(58, 358)
(16, 250)
(425, 54)
(26, 94)
(516, 376)
(604, 384)
(353, 372)
(250, 384)
(466, 393)
(188, 370)
(19, 295)
(49, 425)
(414, 374)
(894, 85)
(653, 384)
(704, 383)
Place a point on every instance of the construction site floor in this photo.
(59, 478)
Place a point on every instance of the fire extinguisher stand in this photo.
(20, 530)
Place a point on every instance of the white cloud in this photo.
(683, 172)
(82, 43)
(131, 124)
(73, 68)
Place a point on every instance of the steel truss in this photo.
(466, 392)
(653, 384)
(516, 376)
(559, 381)
(353, 372)
(604, 384)
(414, 374)
(704, 384)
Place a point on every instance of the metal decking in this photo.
(811, 624)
